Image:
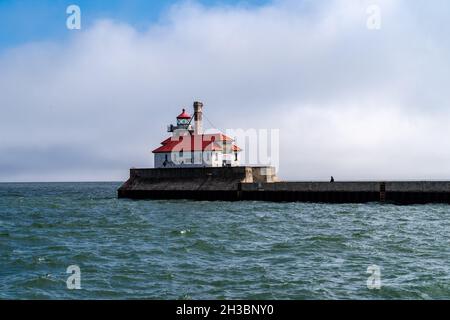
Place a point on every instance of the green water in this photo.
(215, 250)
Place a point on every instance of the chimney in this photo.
(198, 116)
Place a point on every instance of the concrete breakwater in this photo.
(261, 183)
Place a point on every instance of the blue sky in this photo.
(23, 21)
(347, 100)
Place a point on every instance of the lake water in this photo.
(215, 250)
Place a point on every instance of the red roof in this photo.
(189, 143)
(184, 115)
(206, 137)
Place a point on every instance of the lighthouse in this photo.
(190, 147)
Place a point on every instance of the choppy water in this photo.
(208, 250)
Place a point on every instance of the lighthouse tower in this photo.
(183, 124)
(190, 147)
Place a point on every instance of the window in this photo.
(192, 158)
(217, 156)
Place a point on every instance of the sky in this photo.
(348, 99)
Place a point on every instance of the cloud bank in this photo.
(350, 102)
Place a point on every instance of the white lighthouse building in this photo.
(190, 147)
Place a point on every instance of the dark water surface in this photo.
(207, 250)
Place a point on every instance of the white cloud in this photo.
(348, 101)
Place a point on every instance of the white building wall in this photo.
(216, 159)
(159, 159)
(231, 159)
(201, 159)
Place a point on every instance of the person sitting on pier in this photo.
(332, 179)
